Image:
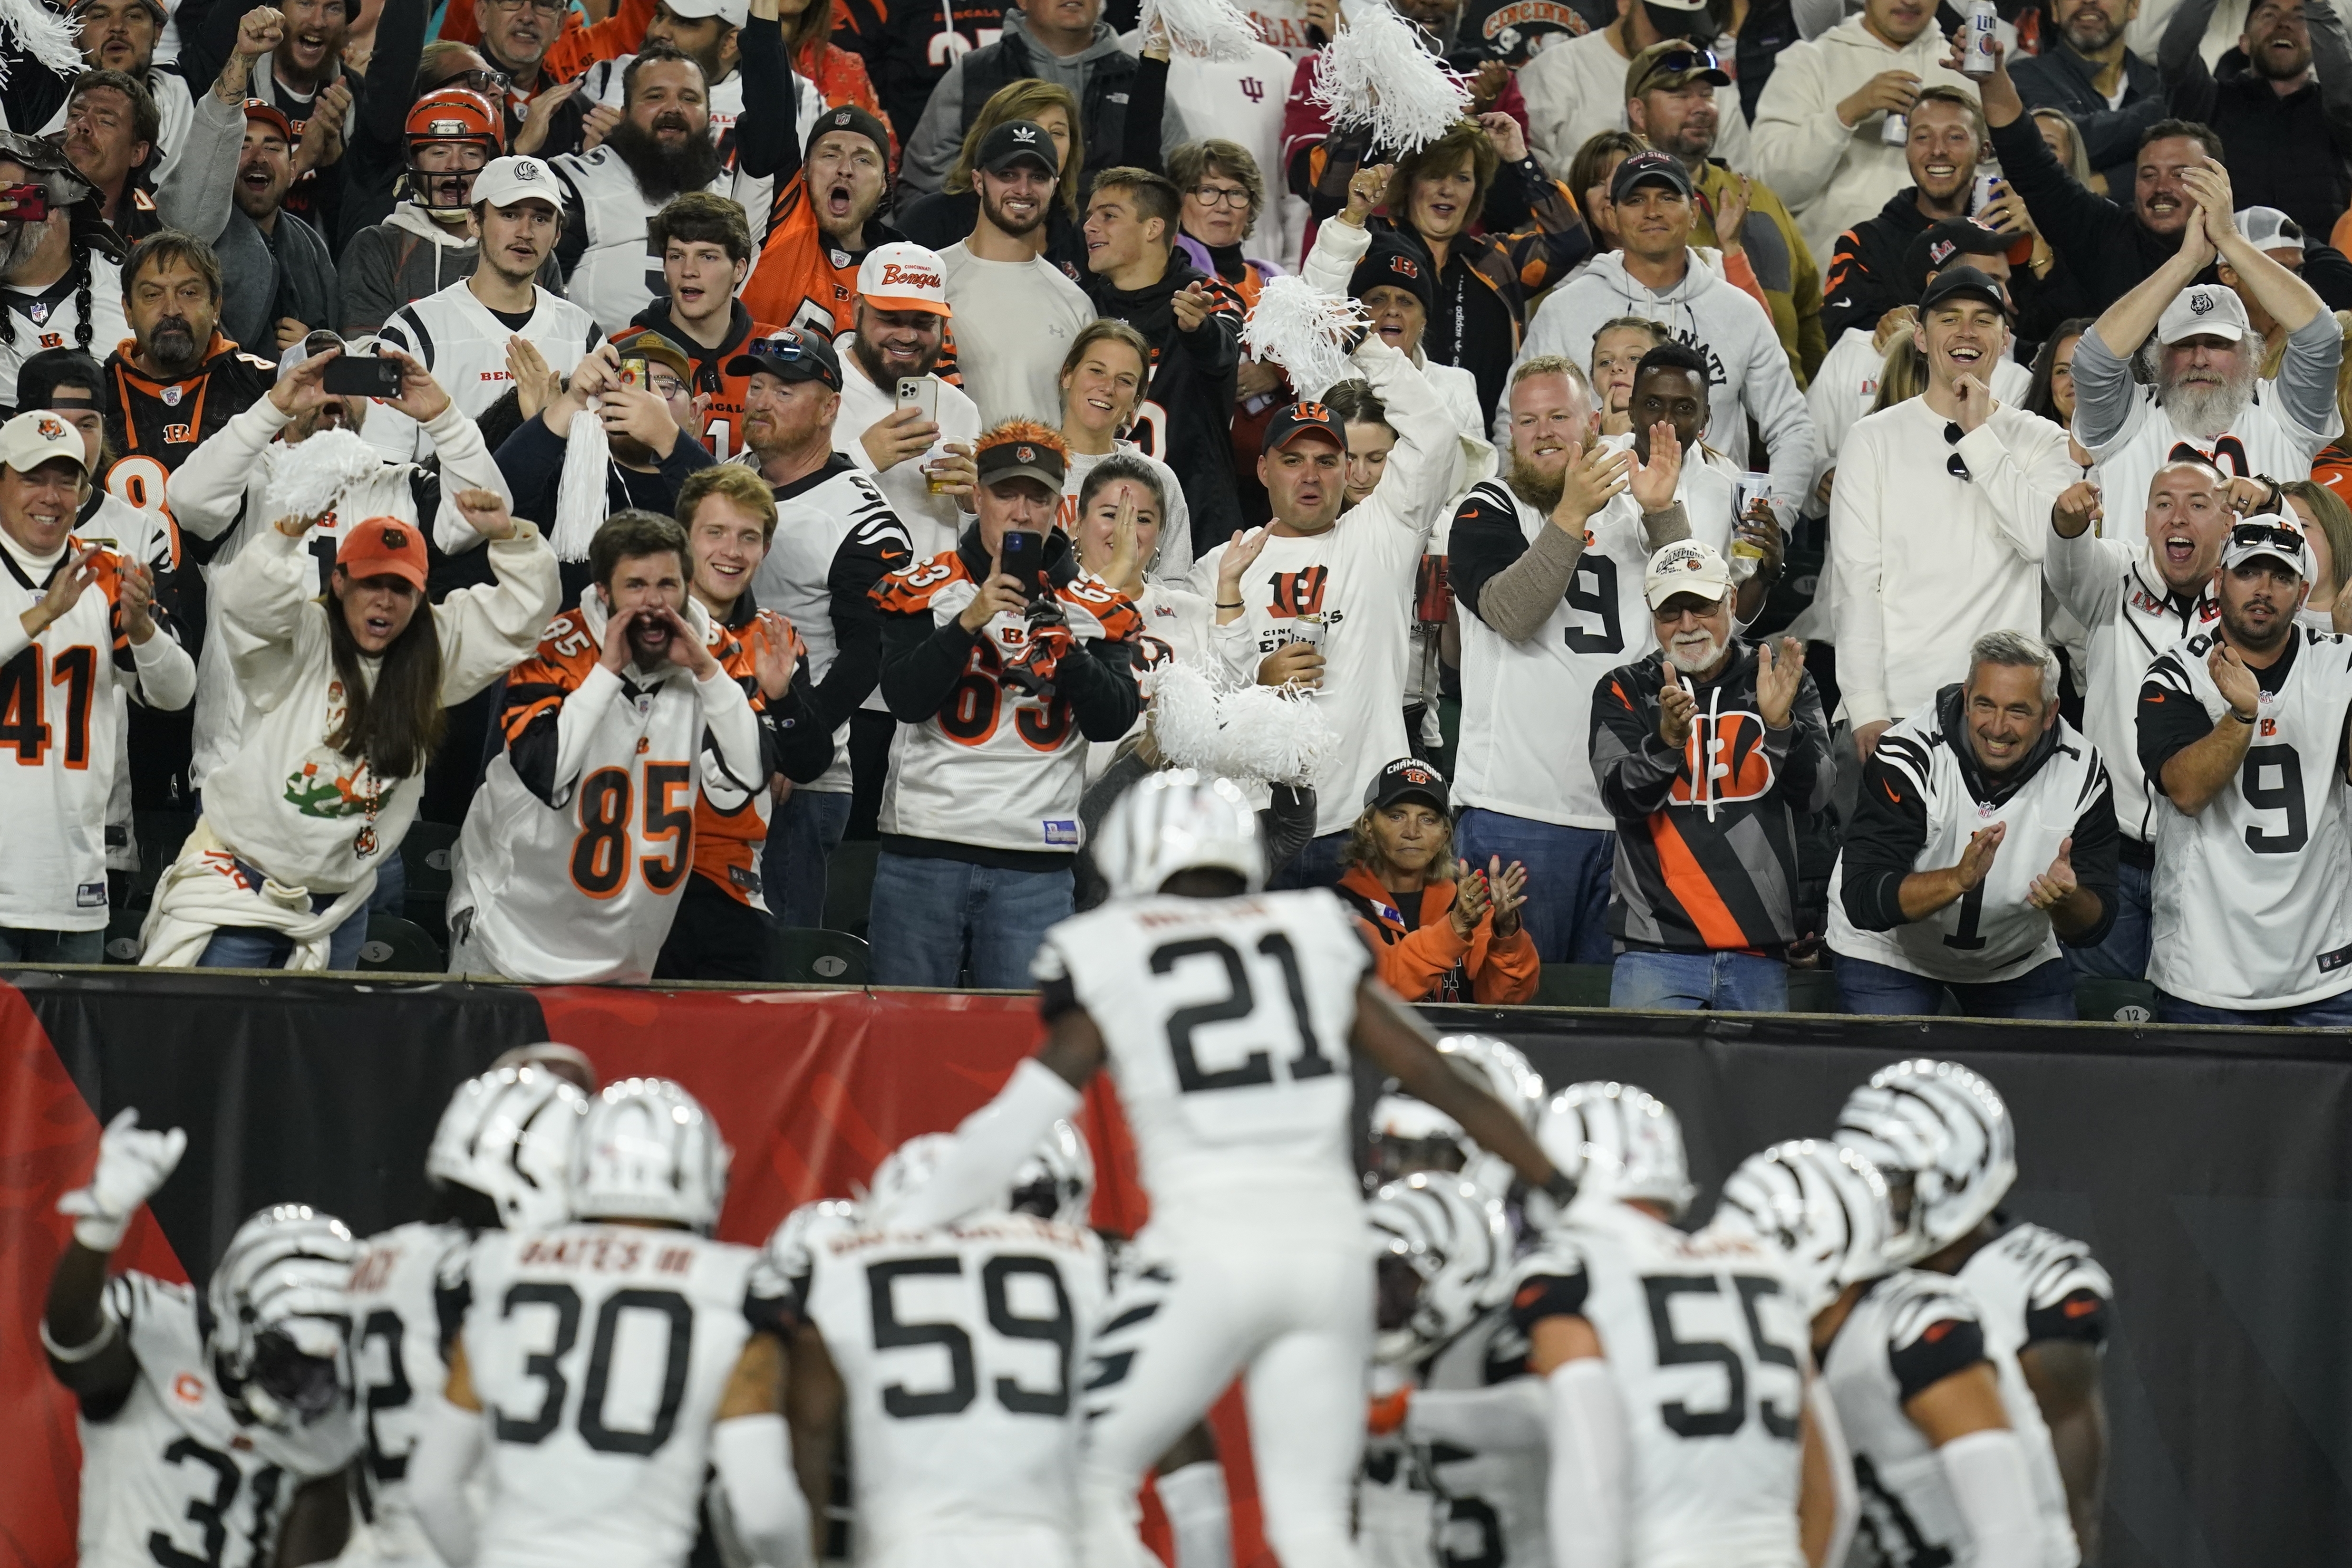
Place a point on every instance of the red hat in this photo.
(384, 547)
(270, 114)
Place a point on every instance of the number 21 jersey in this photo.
(1227, 1022)
(598, 1354)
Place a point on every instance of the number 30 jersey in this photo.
(1227, 1022)
(2251, 907)
(1708, 1351)
(599, 1354)
(960, 1349)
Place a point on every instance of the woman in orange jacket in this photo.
(1446, 933)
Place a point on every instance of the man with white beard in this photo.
(2208, 399)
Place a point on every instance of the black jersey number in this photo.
(1240, 1001)
(24, 703)
(1676, 1351)
(545, 1368)
(1600, 601)
(1971, 911)
(384, 1326)
(209, 1514)
(891, 1333)
(2286, 796)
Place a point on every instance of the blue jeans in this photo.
(1567, 912)
(390, 894)
(2124, 955)
(1316, 865)
(947, 923)
(803, 833)
(1696, 982)
(2045, 991)
(2328, 1013)
(20, 944)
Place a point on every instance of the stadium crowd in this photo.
(1810, 492)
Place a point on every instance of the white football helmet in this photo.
(1822, 1204)
(1440, 1241)
(648, 1150)
(510, 1135)
(1408, 1134)
(1942, 1137)
(1057, 1182)
(280, 1315)
(1177, 821)
(1614, 1141)
(790, 1247)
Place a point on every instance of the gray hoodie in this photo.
(939, 136)
(1747, 372)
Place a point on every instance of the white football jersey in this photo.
(960, 1348)
(454, 336)
(2035, 1284)
(1908, 1332)
(1709, 1351)
(2261, 440)
(1228, 1024)
(620, 272)
(174, 1476)
(599, 1354)
(1992, 933)
(601, 83)
(2249, 906)
(1490, 1503)
(397, 1366)
(52, 317)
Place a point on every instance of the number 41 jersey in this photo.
(1708, 1351)
(1227, 1022)
(599, 1354)
(959, 1347)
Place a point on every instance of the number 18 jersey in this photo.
(1227, 1022)
(599, 1354)
(960, 1347)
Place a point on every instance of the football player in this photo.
(500, 1159)
(1228, 1016)
(598, 1368)
(1675, 1365)
(1408, 1136)
(1943, 1135)
(216, 1431)
(1942, 1472)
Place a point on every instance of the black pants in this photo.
(713, 938)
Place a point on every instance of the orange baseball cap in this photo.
(384, 547)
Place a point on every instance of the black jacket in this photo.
(2284, 152)
(2104, 247)
(1191, 385)
(1864, 277)
(907, 49)
(2059, 78)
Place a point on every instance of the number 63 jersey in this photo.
(599, 1354)
(2251, 906)
(1227, 1022)
(958, 1348)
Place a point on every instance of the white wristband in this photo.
(74, 1355)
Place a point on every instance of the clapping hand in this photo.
(136, 599)
(2057, 884)
(1677, 704)
(1508, 886)
(1778, 679)
(1596, 476)
(1653, 483)
(2234, 680)
(1975, 860)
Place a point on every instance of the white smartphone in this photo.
(922, 393)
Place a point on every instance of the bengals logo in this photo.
(1025, 454)
(1734, 746)
(51, 429)
(1312, 414)
(1405, 266)
(1299, 593)
(394, 538)
(179, 435)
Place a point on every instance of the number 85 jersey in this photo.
(1227, 1023)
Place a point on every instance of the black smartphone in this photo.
(361, 375)
(1022, 556)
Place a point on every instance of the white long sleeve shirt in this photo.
(1927, 562)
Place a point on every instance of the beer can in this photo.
(1977, 33)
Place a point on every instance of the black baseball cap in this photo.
(850, 117)
(1940, 244)
(1648, 168)
(1408, 779)
(1015, 140)
(1963, 280)
(1021, 460)
(795, 354)
(1393, 263)
(1293, 420)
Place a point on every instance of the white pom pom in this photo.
(580, 496)
(307, 479)
(1376, 72)
(1261, 734)
(1306, 331)
(1202, 29)
(50, 36)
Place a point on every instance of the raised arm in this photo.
(1401, 1045)
(88, 1349)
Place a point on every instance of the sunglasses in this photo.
(1955, 465)
(793, 349)
(2266, 534)
(1676, 62)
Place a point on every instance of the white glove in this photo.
(133, 1165)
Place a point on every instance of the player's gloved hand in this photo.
(1033, 670)
(134, 1163)
(1388, 1412)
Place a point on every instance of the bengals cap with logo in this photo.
(1020, 460)
(1293, 420)
(384, 547)
(1393, 263)
(1407, 778)
(503, 182)
(901, 275)
(37, 436)
(2203, 310)
(1687, 566)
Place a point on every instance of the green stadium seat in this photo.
(809, 956)
(2098, 1000)
(400, 946)
(1573, 986)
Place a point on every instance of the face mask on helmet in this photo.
(1409, 1135)
(302, 1384)
(1440, 1241)
(1942, 1136)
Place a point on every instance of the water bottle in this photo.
(1976, 36)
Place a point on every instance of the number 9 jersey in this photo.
(599, 1354)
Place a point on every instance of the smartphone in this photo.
(637, 372)
(922, 393)
(361, 375)
(32, 202)
(1022, 556)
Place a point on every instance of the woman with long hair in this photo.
(2327, 524)
(1443, 930)
(1103, 377)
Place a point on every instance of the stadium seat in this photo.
(160, 835)
(1573, 986)
(123, 935)
(806, 956)
(2100, 1001)
(849, 884)
(424, 856)
(402, 946)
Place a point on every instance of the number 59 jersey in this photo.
(1227, 1022)
(960, 1349)
(599, 1354)
(1709, 1351)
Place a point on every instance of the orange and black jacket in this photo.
(1420, 957)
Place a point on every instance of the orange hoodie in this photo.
(1426, 962)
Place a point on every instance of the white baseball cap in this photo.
(734, 12)
(902, 276)
(2268, 229)
(2203, 310)
(503, 182)
(37, 436)
(1687, 566)
(2265, 534)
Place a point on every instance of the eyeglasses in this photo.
(492, 83)
(1955, 465)
(1220, 195)
(666, 387)
(551, 8)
